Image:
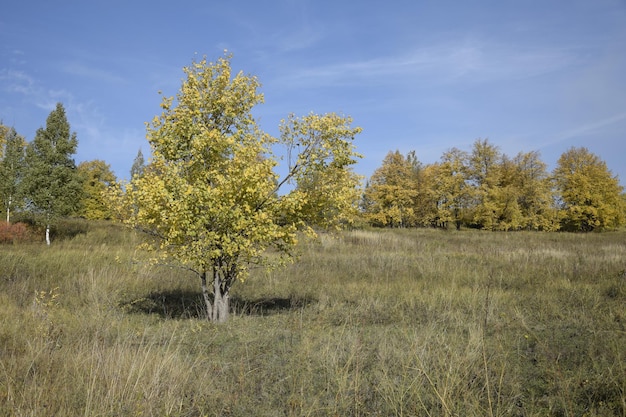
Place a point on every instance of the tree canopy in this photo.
(486, 189)
(589, 194)
(391, 192)
(96, 177)
(211, 197)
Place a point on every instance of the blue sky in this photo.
(415, 75)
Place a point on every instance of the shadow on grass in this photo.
(190, 304)
(267, 305)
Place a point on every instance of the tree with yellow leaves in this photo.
(211, 197)
(450, 189)
(97, 178)
(589, 193)
(389, 197)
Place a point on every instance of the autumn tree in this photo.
(505, 196)
(11, 169)
(211, 198)
(426, 206)
(451, 190)
(589, 193)
(535, 196)
(52, 185)
(391, 192)
(327, 187)
(97, 177)
(484, 176)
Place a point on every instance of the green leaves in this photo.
(11, 169)
(52, 183)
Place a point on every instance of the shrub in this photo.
(13, 233)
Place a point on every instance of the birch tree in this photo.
(52, 184)
(11, 169)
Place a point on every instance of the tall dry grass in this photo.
(367, 323)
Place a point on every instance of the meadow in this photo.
(414, 322)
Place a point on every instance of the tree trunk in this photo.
(207, 298)
(221, 298)
(48, 234)
(218, 309)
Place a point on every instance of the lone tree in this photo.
(211, 197)
(52, 184)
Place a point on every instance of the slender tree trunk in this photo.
(48, 234)
(207, 298)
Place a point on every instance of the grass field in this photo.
(369, 323)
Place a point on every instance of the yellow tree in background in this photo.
(535, 195)
(211, 197)
(389, 197)
(484, 174)
(97, 178)
(451, 190)
(589, 193)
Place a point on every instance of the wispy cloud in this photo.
(14, 81)
(99, 74)
(21, 83)
(588, 128)
(467, 61)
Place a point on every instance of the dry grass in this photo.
(369, 323)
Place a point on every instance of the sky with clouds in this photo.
(419, 75)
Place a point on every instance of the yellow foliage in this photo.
(211, 196)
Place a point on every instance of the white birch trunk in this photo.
(48, 234)
(207, 298)
(218, 310)
(220, 300)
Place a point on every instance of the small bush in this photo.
(13, 233)
(69, 228)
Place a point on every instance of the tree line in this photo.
(486, 189)
(481, 188)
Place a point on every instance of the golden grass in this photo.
(367, 323)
